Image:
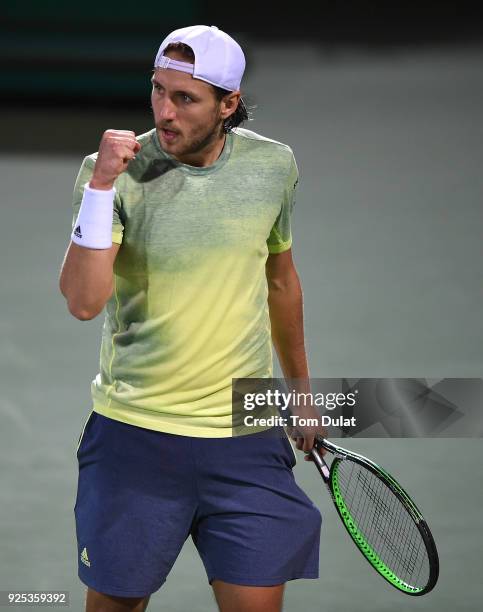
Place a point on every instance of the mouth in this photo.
(168, 135)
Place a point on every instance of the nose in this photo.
(167, 111)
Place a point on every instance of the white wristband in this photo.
(93, 227)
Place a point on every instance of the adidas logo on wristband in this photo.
(77, 232)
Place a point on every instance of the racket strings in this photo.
(382, 518)
(382, 515)
(376, 525)
(375, 528)
(385, 524)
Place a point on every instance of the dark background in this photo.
(62, 60)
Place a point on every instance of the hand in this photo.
(304, 438)
(116, 150)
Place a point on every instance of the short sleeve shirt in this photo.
(189, 308)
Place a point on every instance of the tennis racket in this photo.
(381, 518)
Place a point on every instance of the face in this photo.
(187, 115)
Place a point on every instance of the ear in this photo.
(229, 104)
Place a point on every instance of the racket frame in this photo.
(328, 475)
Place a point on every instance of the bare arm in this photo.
(285, 302)
(286, 314)
(86, 276)
(86, 279)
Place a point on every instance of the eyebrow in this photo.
(183, 92)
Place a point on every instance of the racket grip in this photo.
(322, 467)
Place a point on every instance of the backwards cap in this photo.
(219, 59)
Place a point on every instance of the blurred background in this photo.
(382, 103)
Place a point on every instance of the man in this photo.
(183, 234)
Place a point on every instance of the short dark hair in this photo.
(242, 112)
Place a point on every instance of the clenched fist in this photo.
(117, 149)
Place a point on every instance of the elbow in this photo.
(285, 281)
(84, 306)
(275, 285)
(288, 284)
(82, 312)
(83, 315)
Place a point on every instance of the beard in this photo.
(203, 138)
(198, 139)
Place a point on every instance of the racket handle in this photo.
(321, 465)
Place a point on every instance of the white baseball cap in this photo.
(219, 59)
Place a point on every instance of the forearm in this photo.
(86, 280)
(286, 315)
(285, 302)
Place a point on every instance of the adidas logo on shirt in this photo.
(85, 558)
(78, 233)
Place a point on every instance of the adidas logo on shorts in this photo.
(85, 558)
(78, 233)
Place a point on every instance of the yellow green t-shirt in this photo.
(189, 308)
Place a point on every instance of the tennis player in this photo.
(183, 234)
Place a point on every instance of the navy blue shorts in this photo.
(141, 493)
